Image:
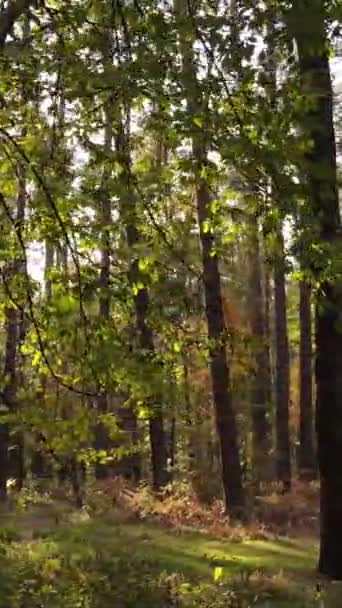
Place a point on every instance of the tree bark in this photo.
(323, 195)
(11, 328)
(234, 497)
(12, 340)
(156, 421)
(49, 262)
(307, 460)
(220, 377)
(269, 334)
(18, 449)
(283, 457)
(260, 389)
(9, 15)
(188, 417)
(157, 433)
(102, 441)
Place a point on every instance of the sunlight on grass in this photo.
(193, 553)
(282, 568)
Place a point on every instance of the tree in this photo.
(8, 17)
(306, 437)
(283, 455)
(307, 23)
(261, 381)
(224, 412)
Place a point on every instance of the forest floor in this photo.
(50, 552)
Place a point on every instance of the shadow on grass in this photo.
(195, 555)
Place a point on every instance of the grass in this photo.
(193, 553)
(281, 570)
(131, 555)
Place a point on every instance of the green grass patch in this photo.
(192, 553)
(95, 563)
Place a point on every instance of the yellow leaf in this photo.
(218, 573)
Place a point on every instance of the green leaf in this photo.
(198, 121)
(143, 263)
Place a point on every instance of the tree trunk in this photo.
(225, 417)
(323, 195)
(172, 445)
(49, 261)
(307, 469)
(188, 418)
(268, 315)
(102, 441)
(21, 465)
(260, 389)
(156, 421)
(226, 426)
(157, 433)
(283, 457)
(11, 328)
(12, 320)
(8, 17)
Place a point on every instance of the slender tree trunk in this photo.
(19, 437)
(188, 418)
(11, 344)
(323, 193)
(307, 469)
(156, 421)
(268, 301)
(102, 441)
(11, 328)
(141, 304)
(283, 456)
(49, 261)
(173, 437)
(260, 389)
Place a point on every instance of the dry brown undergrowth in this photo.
(273, 514)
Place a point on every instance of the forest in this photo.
(170, 304)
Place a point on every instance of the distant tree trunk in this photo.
(283, 456)
(18, 458)
(323, 194)
(268, 301)
(156, 421)
(11, 328)
(104, 213)
(11, 341)
(172, 443)
(62, 258)
(49, 261)
(142, 304)
(188, 413)
(307, 469)
(260, 389)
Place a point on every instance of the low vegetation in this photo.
(126, 549)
